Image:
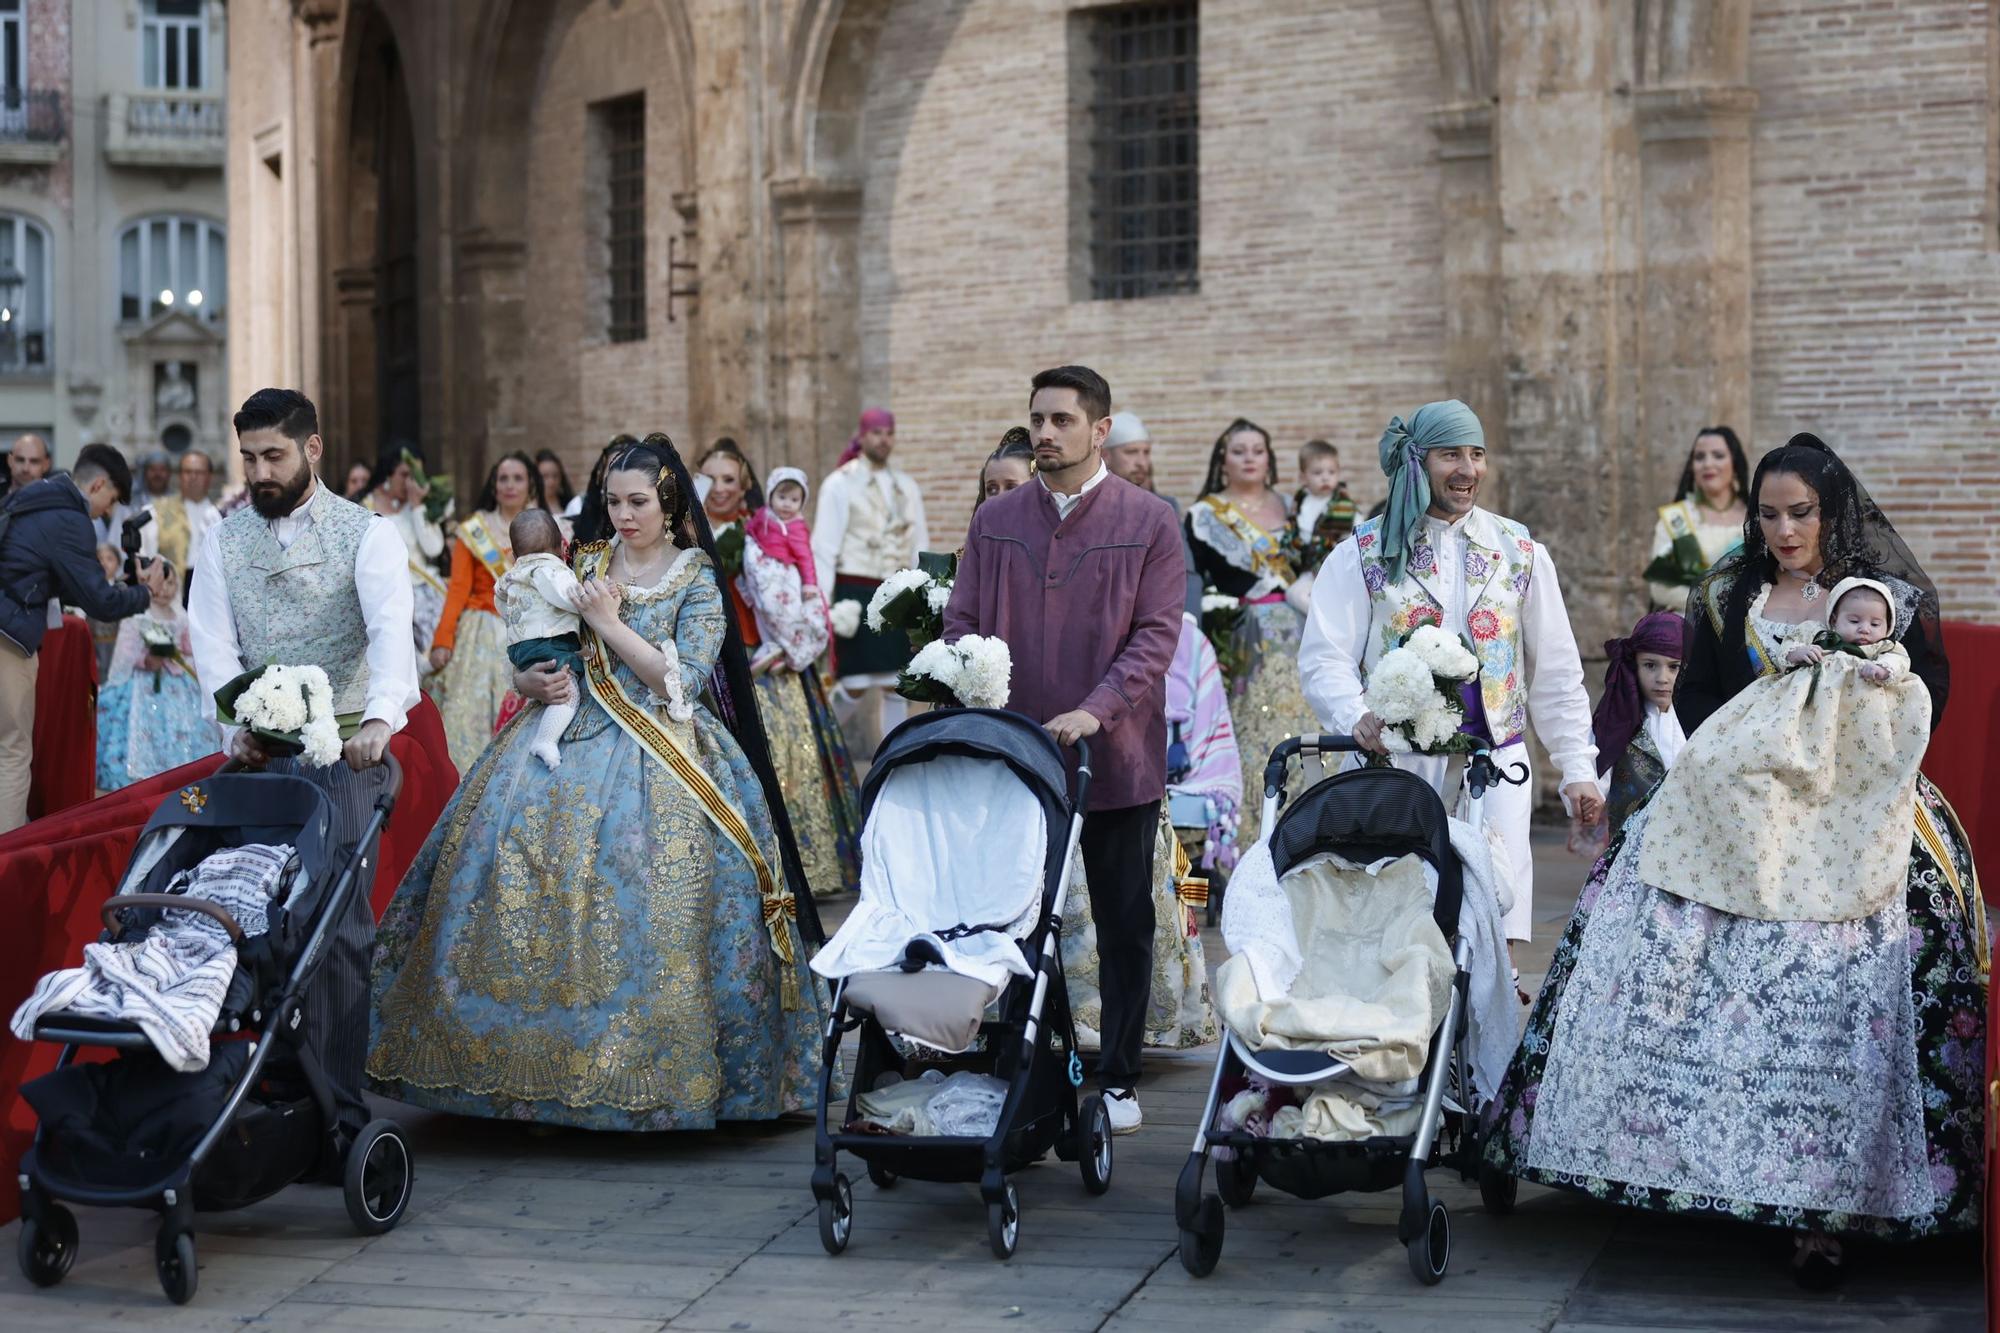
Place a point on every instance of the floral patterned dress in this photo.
(584, 947)
(1811, 1075)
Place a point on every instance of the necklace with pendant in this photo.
(1810, 590)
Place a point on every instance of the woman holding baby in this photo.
(1769, 1003)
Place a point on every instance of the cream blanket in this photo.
(1781, 809)
(1374, 979)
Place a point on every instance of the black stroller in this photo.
(135, 1133)
(1362, 815)
(962, 791)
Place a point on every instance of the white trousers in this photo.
(1507, 809)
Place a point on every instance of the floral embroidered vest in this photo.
(298, 605)
(880, 533)
(1499, 559)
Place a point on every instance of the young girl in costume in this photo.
(1637, 736)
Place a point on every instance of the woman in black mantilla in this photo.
(1824, 1077)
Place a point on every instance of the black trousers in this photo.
(1118, 861)
(336, 1005)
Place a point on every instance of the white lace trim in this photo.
(675, 700)
(1211, 531)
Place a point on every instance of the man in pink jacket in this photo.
(1081, 575)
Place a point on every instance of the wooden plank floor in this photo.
(573, 1231)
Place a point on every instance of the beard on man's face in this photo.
(275, 499)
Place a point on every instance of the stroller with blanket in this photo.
(253, 1116)
(950, 963)
(1366, 1001)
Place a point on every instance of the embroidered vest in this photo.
(879, 538)
(299, 606)
(1499, 559)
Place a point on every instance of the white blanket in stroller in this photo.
(170, 984)
(951, 843)
(1260, 928)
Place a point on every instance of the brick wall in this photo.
(1320, 246)
(1876, 313)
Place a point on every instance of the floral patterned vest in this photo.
(298, 605)
(879, 539)
(1499, 559)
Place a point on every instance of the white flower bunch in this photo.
(288, 700)
(977, 672)
(159, 639)
(1399, 687)
(898, 583)
(846, 617)
(938, 595)
(1443, 653)
(1216, 601)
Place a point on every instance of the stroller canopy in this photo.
(1365, 815)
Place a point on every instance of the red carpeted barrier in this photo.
(57, 871)
(64, 772)
(1960, 760)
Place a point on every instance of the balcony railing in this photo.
(32, 124)
(164, 129)
(24, 353)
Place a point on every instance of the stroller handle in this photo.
(108, 913)
(1082, 772)
(1325, 743)
(390, 790)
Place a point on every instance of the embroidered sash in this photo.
(479, 540)
(643, 726)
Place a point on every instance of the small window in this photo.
(623, 136)
(13, 57)
(170, 44)
(1145, 204)
(24, 295)
(172, 263)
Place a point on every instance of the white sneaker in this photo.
(1122, 1105)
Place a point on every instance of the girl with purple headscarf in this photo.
(1638, 737)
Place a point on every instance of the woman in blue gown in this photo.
(149, 711)
(612, 944)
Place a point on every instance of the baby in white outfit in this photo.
(535, 598)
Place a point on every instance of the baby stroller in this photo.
(966, 850)
(1362, 815)
(135, 1133)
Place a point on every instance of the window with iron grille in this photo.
(1145, 201)
(624, 140)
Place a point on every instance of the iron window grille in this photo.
(625, 139)
(1145, 183)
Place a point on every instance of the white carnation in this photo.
(1215, 601)
(321, 738)
(1399, 687)
(985, 673)
(1434, 726)
(1443, 653)
(846, 616)
(937, 661)
(898, 583)
(938, 594)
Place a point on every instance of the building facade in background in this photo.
(497, 224)
(114, 276)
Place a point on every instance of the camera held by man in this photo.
(48, 554)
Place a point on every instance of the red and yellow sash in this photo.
(478, 539)
(645, 727)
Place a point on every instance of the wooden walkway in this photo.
(717, 1232)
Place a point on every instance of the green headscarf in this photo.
(1442, 425)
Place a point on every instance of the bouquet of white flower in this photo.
(975, 672)
(1414, 689)
(289, 709)
(913, 600)
(846, 617)
(160, 643)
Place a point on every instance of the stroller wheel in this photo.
(1497, 1189)
(1431, 1250)
(1236, 1179)
(1003, 1224)
(836, 1215)
(1093, 1141)
(1201, 1244)
(881, 1177)
(47, 1248)
(377, 1177)
(174, 1258)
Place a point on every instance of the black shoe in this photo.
(1816, 1268)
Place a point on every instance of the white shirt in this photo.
(534, 599)
(1665, 729)
(830, 515)
(1338, 625)
(381, 580)
(1065, 503)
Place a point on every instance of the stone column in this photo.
(1469, 207)
(819, 237)
(316, 139)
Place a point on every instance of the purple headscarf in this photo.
(1622, 710)
(875, 418)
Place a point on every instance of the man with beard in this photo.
(1128, 453)
(302, 577)
(1435, 558)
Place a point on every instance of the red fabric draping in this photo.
(1961, 754)
(57, 871)
(64, 772)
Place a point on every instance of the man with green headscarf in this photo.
(1435, 557)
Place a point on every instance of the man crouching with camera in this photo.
(48, 551)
